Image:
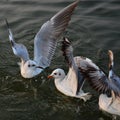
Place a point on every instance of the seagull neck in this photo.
(22, 62)
(59, 79)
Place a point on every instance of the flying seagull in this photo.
(45, 43)
(72, 83)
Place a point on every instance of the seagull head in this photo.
(57, 74)
(30, 64)
(30, 69)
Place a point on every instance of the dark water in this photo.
(94, 28)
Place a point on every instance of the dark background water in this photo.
(94, 29)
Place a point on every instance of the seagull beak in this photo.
(40, 67)
(50, 76)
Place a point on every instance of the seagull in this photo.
(111, 104)
(45, 43)
(72, 83)
(108, 86)
(96, 77)
(112, 76)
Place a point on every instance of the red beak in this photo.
(50, 76)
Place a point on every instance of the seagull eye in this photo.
(28, 65)
(33, 65)
(59, 74)
(55, 73)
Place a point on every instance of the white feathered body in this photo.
(106, 104)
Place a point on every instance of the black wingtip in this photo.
(65, 44)
(7, 23)
(76, 2)
(66, 41)
(12, 43)
(65, 49)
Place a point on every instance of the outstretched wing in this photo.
(18, 49)
(96, 76)
(46, 39)
(74, 77)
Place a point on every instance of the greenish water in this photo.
(94, 28)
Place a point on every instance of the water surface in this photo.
(94, 29)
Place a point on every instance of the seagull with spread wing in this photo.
(96, 77)
(45, 43)
(111, 104)
(108, 86)
(72, 83)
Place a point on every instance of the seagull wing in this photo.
(46, 39)
(18, 49)
(114, 78)
(74, 77)
(96, 77)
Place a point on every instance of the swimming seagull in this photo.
(45, 43)
(111, 104)
(72, 83)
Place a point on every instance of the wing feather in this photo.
(112, 76)
(18, 49)
(74, 77)
(97, 78)
(46, 39)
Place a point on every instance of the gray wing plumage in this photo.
(96, 77)
(74, 77)
(46, 39)
(18, 49)
(115, 79)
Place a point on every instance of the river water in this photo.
(94, 29)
